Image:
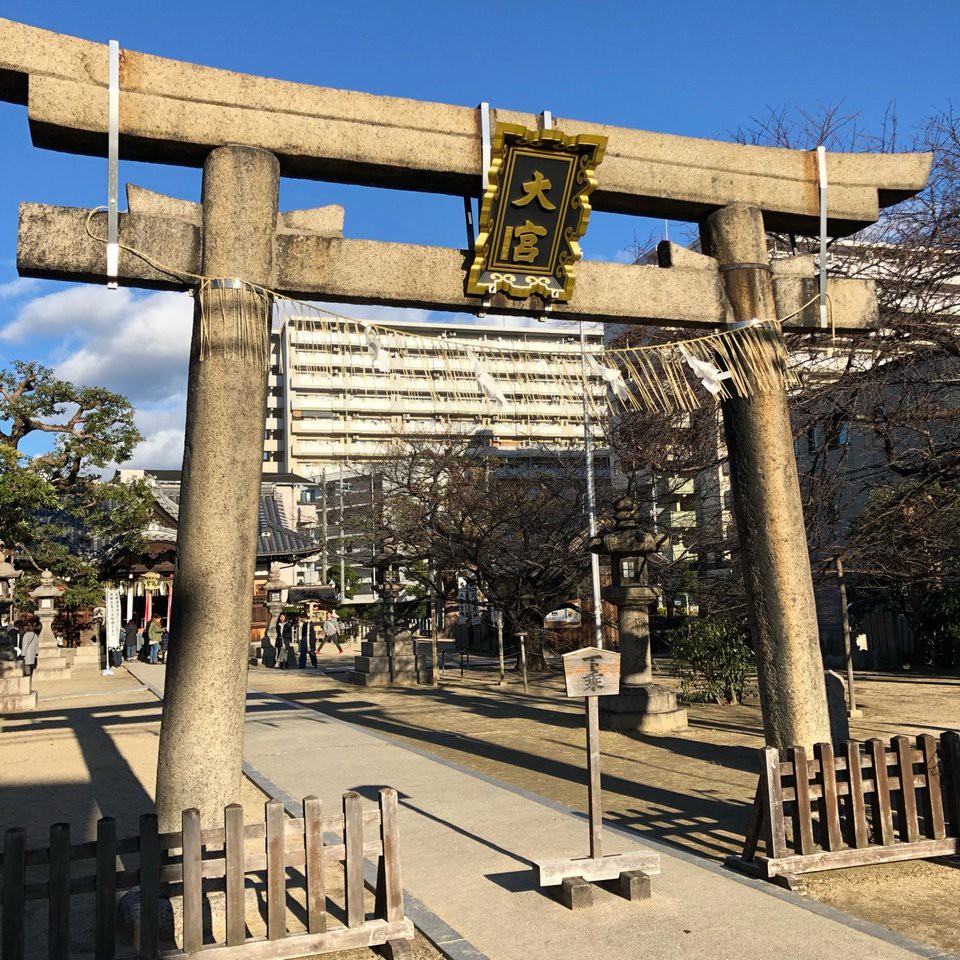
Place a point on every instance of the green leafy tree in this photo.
(713, 659)
(54, 508)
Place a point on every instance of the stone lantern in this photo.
(51, 664)
(387, 656)
(274, 589)
(8, 578)
(641, 704)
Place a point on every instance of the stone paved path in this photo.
(468, 844)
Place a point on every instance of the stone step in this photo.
(382, 664)
(56, 671)
(83, 654)
(17, 703)
(380, 648)
(14, 686)
(406, 678)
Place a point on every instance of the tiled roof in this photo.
(275, 539)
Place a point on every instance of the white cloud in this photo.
(136, 344)
(162, 450)
(68, 312)
(143, 354)
(17, 288)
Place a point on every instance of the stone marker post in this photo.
(200, 762)
(766, 496)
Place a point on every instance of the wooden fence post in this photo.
(909, 828)
(276, 872)
(856, 814)
(106, 896)
(950, 744)
(390, 839)
(192, 881)
(802, 817)
(58, 893)
(773, 802)
(313, 856)
(149, 887)
(829, 808)
(932, 793)
(353, 865)
(14, 895)
(882, 817)
(233, 854)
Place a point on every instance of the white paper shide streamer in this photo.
(487, 384)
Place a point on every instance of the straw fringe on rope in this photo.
(664, 378)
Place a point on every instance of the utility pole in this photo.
(343, 559)
(324, 556)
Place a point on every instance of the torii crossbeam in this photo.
(246, 132)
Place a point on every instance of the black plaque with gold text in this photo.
(535, 210)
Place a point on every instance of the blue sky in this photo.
(692, 68)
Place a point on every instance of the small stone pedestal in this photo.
(641, 704)
(16, 689)
(372, 667)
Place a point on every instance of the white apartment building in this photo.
(330, 407)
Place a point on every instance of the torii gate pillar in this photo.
(200, 762)
(769, 514)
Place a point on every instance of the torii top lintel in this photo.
(176, 112)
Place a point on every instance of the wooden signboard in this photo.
(591, 672)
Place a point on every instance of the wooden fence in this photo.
(199, 860)
(869, 804)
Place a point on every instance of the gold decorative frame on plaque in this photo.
(530, 221)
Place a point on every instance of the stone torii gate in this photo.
(246, 132)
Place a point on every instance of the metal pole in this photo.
(591, 492)
(499, 615)
(113, 155)
(852, 710)
(343, 561)
(431, 573)
(593, 779)
(324, 555)
(523, 658)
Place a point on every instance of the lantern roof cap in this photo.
(48, 587)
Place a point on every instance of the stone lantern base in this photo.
(16, 689)
(648, 708)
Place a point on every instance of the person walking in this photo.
(153, 638)
(164, 645)
(30, 646)
(331, 631)
(284, 639)
(308, 643)
(130, 639)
